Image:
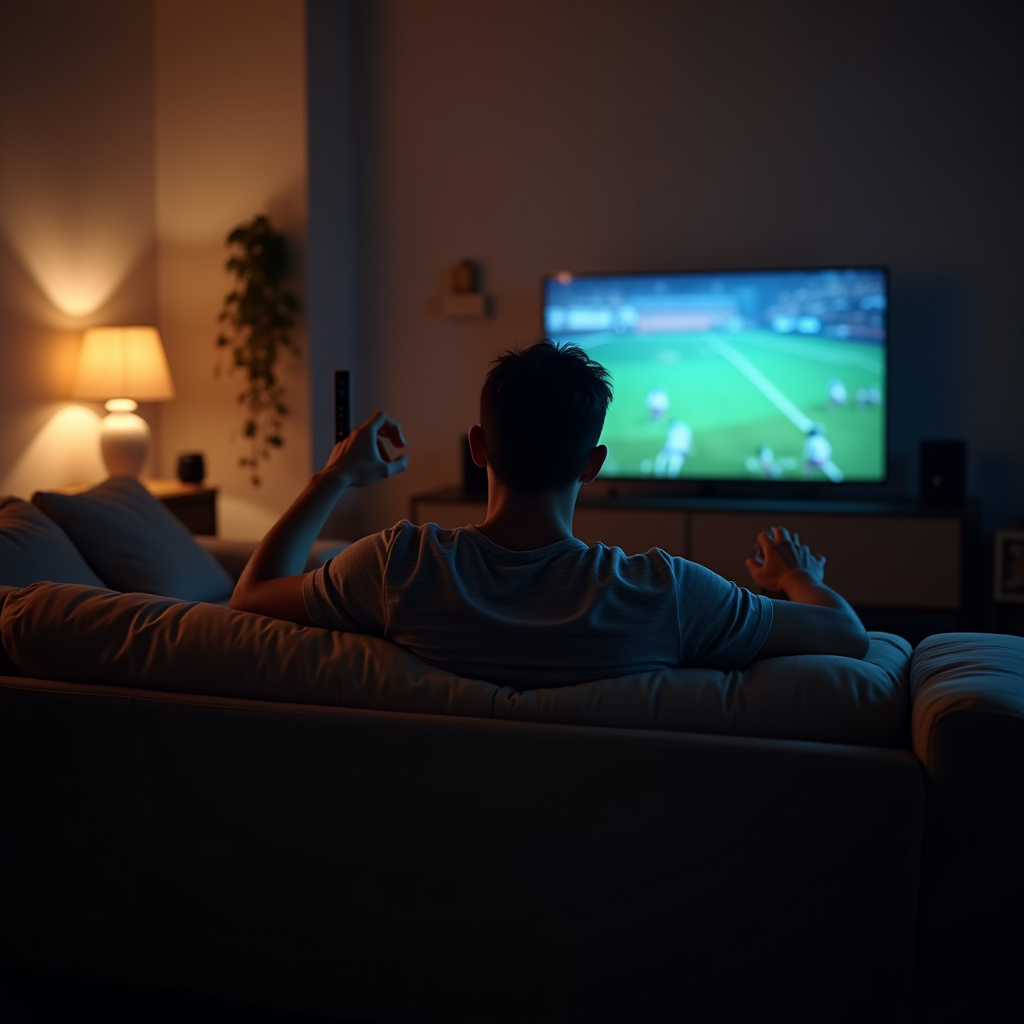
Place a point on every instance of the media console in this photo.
(904, 567)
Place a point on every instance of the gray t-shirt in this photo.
(562, 614)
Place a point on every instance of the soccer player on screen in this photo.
(669, 461)
(817, 450)
(657, 403)
(869, 396)
(769, 466)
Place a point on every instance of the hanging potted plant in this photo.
(258, 317)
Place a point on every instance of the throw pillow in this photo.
(135, 542)
(34, 548)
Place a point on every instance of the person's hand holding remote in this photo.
(366, 455)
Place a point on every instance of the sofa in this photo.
(204, 799)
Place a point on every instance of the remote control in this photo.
(341, 405)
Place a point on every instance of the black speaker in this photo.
(943, 466)
(191, 468)
(474, 477)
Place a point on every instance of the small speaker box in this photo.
(191, 468)
(474, 477)
(943, 468)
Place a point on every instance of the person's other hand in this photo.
(777, 554)
(366, 455)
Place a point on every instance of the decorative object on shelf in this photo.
(1009, 567)
(465, 278)
(191, 468)
(259, 314)
(123, 366)
(465, 300)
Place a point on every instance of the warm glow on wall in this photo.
(246, 518)
(65, 451)
(77, 274)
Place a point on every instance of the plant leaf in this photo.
(260, 311)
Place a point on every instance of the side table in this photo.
(194, 504)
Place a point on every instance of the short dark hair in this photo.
(541, 410)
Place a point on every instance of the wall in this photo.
(601, 134)
(529, 135)
(77, 230)
(133, 137)
(334, 268)
(230, 126)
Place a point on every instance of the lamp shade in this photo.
(122, 362)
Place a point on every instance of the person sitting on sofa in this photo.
(517, 596)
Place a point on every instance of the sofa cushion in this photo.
(135, 543)
(7, 667)
(825, 698)
(135, 640)
(33, 548)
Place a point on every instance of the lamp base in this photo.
(124, 438)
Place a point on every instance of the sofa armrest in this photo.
(960, 680)
(234, 554)
(967, 692)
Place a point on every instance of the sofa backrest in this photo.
(80, 634)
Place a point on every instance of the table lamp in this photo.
(123, 366)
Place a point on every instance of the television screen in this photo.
(735, 375)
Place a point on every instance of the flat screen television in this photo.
(736, 376)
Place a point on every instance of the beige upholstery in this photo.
(823, 699)
(80, 634)
(968, 721)
(7, 667)
(67, 858)
(965, 674)
(387, 866)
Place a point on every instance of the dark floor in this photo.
(33, 996)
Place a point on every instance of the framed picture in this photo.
(1009, 574)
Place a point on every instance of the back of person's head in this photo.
(541, 410)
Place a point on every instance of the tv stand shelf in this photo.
(885, 556)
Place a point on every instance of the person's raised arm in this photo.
(813, 618)
(271, 583)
